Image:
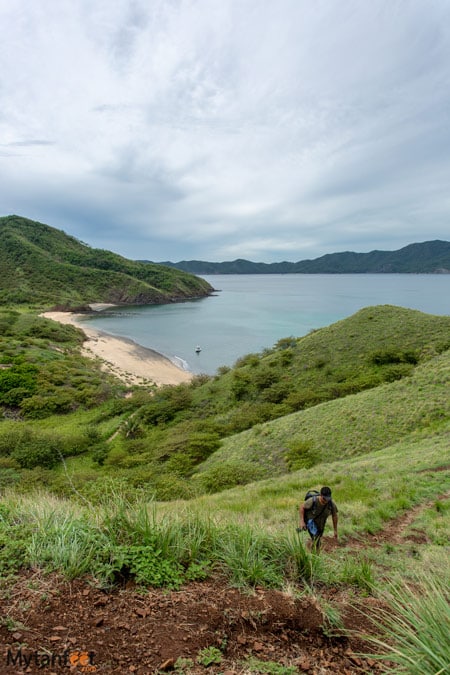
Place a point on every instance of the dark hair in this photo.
(325, 492)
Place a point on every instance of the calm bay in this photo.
(252, 312)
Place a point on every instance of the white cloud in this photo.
(202, 128)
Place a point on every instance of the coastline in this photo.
(127, 360)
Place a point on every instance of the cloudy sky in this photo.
(216, 129)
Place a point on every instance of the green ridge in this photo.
(43, 265)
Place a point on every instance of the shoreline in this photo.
(130, 362)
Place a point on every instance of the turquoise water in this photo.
(252, 312)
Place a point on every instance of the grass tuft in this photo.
(413, 630)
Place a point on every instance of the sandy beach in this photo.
(127, 360)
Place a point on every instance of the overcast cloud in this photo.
(217, 129)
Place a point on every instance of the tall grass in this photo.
(414, 629)
(77, 541)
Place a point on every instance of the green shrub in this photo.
(30, 448)
(17, 382)
(265, 377)
(302, 454)
(14, 540)
(301, 398)
(100, 453)
(146, 565)
(7, 320)
(276, 392)
(287, 343)
(183, 451)
(44, 405)
(227, 475)
(241, 385)
(168, 487)
(39, 453)
(248, 414)
(396, 372)
(39, 327)
(251, 360)
(9, 476)
(387, 356)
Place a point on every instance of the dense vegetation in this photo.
(361, 405)
(265, 416)
(426, 257)
(42, 265)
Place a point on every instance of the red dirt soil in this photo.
(74, 627)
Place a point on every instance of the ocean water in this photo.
(249, 313)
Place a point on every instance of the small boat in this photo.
(198, 349)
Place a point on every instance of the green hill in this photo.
(42, 265)
(355, 425)
(343, 390)
(425, 257)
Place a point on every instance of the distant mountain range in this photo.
(429, 257)
(40, 264)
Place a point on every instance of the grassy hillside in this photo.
(81, 464)
(43, 265)
(184, 440)
(356, 425)
(169, 436)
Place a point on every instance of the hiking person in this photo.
(314, 512)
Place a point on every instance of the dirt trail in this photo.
(395, 532)
(129, 632)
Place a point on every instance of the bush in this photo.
(287, 343)
(241, 385)
(21, 379)
(38, 327)
(146, 565)
(265, 377)
(276, 393)
(30, 448)
(251, 360)
(168, 487)
(13, 548)
(37, 454)
(41, 405)
(249, 414)
(7, 320)
(302, 454)
(227, 475)
(383, 357)
(396, 372)
(165, 404)
(186, 451)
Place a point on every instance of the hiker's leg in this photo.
(316, 543)
(310, 542)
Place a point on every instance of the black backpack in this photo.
(315, 494)
(312, 493)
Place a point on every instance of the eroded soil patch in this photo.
(125, 631)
